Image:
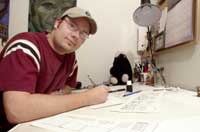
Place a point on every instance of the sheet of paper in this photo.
(180, 125)
(71, 123)
(147, 101)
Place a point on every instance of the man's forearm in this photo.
(66, 90)
(22, 106)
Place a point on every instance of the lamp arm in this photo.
(149, 47)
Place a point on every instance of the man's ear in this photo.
(57, 23)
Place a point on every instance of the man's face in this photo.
(44, 12)
(69, 34)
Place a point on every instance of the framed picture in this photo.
(172, 3)
(181, 30)
(159, 41)
(42, 13)
(160, 2)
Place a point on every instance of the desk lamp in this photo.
(147, 15)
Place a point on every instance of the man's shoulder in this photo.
(32, 37)
(29, 35)
(30, 40)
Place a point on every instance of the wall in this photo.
(182, 66)
(116, 32)
(18, 20)
(182, 63)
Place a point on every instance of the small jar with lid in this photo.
(129, 87)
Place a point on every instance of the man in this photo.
(37, 69)
(43, 13)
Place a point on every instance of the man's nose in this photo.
(76, 34)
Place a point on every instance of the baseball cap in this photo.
(77, 12)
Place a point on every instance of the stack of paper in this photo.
(77, 123)
(142, 102)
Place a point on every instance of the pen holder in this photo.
(147, 79)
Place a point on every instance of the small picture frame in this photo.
(159, 41)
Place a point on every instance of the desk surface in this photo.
(180, 111)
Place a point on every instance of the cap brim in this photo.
(77, 12)
(93, 25)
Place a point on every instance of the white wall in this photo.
(18, 19)
(116, 32)
(182, 66)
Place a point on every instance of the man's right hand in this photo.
(97, 95)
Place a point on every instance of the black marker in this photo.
(118, 90)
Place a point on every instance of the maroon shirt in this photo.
(28, 63)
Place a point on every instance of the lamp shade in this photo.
(147, 14)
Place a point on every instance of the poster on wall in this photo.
(42, 13)
(4, 19)
(180, 30)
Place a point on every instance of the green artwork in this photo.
(42, 13)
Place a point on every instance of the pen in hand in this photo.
(111, 91)
(91, 81)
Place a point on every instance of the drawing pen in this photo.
(131, 93)
(91, 80)
(118, 90)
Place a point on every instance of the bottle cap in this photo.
(129, 82)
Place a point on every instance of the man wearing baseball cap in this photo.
(80, 13)
(37, 71)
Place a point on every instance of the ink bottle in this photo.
(129, 87)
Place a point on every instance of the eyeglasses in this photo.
(74, 28)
